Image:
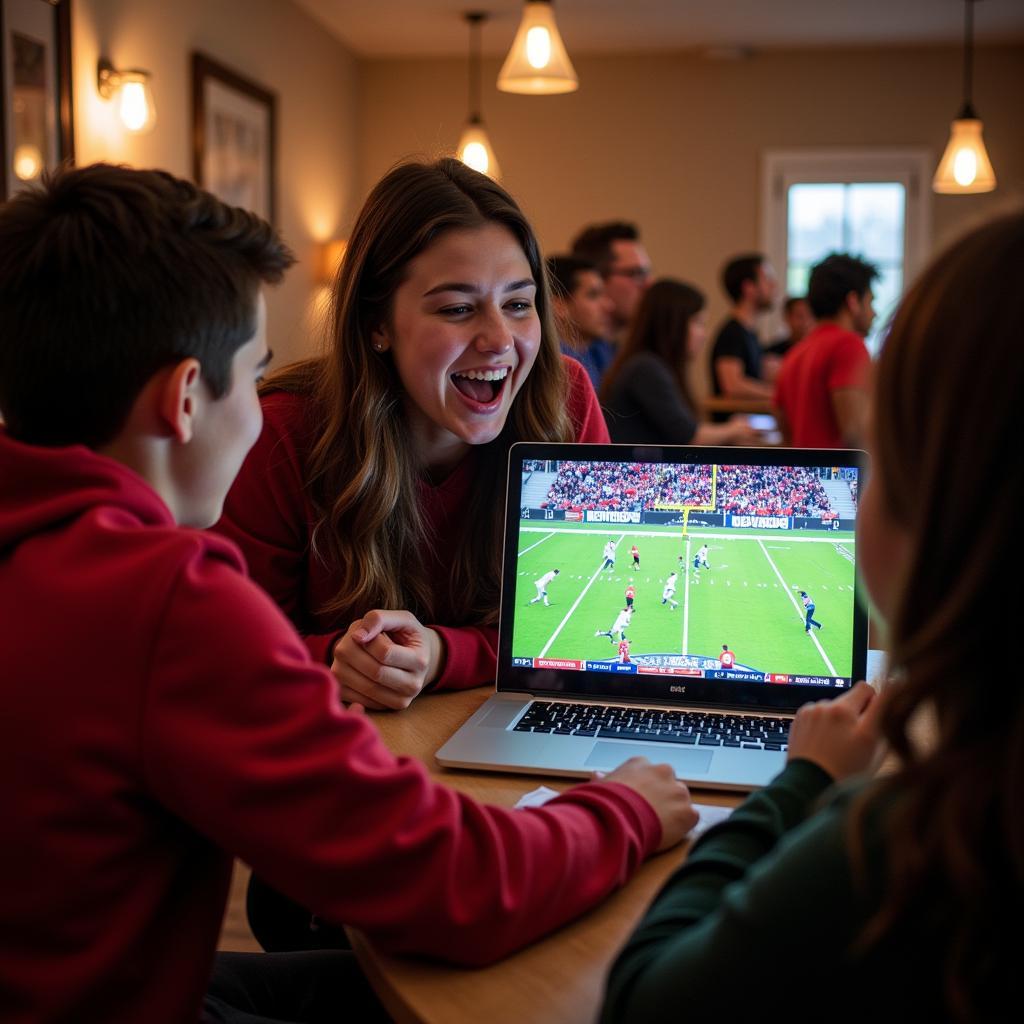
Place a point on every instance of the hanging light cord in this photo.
(968, 46)
(475, 19)
(968, 111)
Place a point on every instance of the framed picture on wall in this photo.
(35, 67)
(233, 136)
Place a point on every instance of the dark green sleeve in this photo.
(759, 892)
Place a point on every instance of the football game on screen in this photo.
(723, 572)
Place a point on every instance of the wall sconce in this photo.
(331, 255)
(537, 64)
(965, 166)
(132, 91)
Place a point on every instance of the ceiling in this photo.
(431, 28)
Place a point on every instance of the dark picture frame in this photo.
(234, 125)
(36, 114)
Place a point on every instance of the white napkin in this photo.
(710, 814)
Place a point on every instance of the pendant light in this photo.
(965, 166)
(474, 147)
(537, 64)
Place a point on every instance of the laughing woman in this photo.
(371, 507)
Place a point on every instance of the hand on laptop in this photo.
(657, 784)
(385, 659)
(840, 735)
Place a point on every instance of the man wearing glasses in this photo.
(616, 250)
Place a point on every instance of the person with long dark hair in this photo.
(646, 391)
(900, 898)
(370, 508)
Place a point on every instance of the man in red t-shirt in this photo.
(624, 651)
(727, 658)
(630, 595)
(821, 395)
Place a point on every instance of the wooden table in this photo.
(719, 403)
(558, 980)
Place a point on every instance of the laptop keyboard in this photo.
(696, 728)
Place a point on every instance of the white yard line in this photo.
(575, 604)
(551, 534)
(686, 599)
(800, 614)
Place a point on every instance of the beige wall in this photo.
(279, 47)
(674, 141)
(670, 141)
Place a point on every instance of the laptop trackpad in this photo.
(684, 762)
(501, 715)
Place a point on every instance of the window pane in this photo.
(815, 219)
(875, 213)
(887, 289)
(796, 278)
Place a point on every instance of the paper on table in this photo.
(709, 813)
(536, 797)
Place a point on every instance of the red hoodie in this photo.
(160, 715)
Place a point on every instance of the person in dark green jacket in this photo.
(831, 895)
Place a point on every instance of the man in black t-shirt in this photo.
(736, 370)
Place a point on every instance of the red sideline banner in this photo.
(557, 663)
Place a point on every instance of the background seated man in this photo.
(583, 309)
(621, 259)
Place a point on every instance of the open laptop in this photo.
(701, 596)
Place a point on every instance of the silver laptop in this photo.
(672, 602)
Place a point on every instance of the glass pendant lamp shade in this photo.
(965, 166)
(475, 149)
(537, 64)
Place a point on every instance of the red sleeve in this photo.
(471, 654)
(266, 515)
(849, 364)
(583, 405)
(244, 739)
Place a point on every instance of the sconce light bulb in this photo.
(134, 106)
(28, 162)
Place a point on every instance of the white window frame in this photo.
(781, 168)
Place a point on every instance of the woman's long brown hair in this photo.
(362, 474)
(662, 326)
(947, 424)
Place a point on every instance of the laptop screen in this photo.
(724, 576)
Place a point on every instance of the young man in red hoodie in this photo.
(160, 714)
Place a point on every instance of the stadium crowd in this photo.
(745, 490)
(771, 491)
(640, 487)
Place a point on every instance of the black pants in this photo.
(282, 925)
(312, 987)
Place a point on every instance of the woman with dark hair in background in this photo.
(646, 393)
(900, 899)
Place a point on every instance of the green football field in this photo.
(748, 599)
